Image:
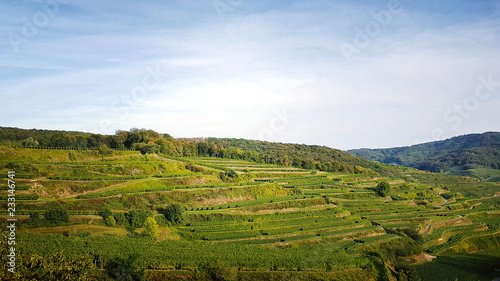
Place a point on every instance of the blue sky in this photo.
(346, 74)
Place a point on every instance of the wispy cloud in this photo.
(225, 74)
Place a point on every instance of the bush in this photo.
(125, 269)
(105, 214)
(383, 188)
(110, 221)
(136, 218)
(120, 218)
(174, 213)
(162, 221)
(216, 271)
(412, 233)
(150, 228)
(56, 216)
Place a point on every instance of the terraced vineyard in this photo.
(254, 220)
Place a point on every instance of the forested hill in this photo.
(148, 141)
(312, 156)
(475, 155)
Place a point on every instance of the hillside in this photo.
(476, 155)
(148, 141)
(153, 207)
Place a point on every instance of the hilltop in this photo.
(321, 158)
(476, 155)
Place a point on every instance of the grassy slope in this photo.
(295, 218)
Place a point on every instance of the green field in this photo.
(254, 220)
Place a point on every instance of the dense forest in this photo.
(148, 142)
(460, 155)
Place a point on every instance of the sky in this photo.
(345, 74)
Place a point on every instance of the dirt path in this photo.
(427, 228)
(445, 200)
(444, 203)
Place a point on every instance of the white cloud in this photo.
(228, 74)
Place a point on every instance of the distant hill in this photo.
(476, 155)
(305, 156)
(310, 157)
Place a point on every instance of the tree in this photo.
(173, 213)
(383, 188)
(125, 269)
(228, 175)
(34, 216)
(94, 141)
(110, 221)
(105, 150)
(215, 270)
(411, 233)
(120, 218)
(150, 148)
(308, 164)
(151, 228)
(132, 137)
(30, 142)
(105, 213)
(137, 218)
(57, 216)
(53, 267)
(81, 142)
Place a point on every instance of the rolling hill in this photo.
(150, 207)
(475, 155)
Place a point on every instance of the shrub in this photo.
(150, 228)
(56, 216)
(174, 213)
(383, 188)
(216, 271)
(136, 218)
(120, 218)
(110, 221)
(125, 269)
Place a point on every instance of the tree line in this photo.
(151, 142)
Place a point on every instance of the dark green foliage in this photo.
(215, 271)
(162, 221)
(125, 269)
(447, 196)
(146, 148)
(105, 213)
(136, 218)
(383, 188)
(459, 155)
(411, 233)
(148, 141)
(473, 266)
(228, 175)
(51, 267)
(395, 250)
(35, 216)
(120, 218)
(405, 272)
(34, 220)
(57, 216)
(174, 213)
(296, 155)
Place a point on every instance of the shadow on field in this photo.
(478, 266)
